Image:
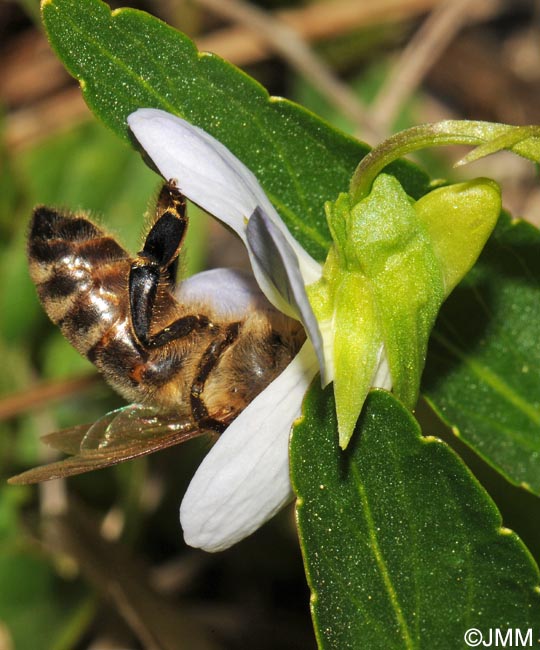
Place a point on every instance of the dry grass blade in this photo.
(422, 52)
(317, 21)
(42, 394)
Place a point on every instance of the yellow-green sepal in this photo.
(344, 305)
(397, 256)
(381, 290)
(357, 344)
(392, 264)
(459, 219)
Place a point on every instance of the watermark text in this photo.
(501, 638)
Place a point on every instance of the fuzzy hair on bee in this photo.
(189, 355)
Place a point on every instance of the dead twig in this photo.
(422, 52)
(42, 394)
(316, 22)
(39, 120)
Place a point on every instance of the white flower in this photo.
(244, 479)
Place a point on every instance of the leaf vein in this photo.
(385, 574)
(491, 379)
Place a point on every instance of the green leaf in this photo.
(402, 547)
(483, 365)
(128, 60)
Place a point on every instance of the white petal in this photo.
(209, 175)
(231, 292)
(382, 377)
(205, 170)
(244, 480)
(276, 257)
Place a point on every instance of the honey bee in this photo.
(190, 357)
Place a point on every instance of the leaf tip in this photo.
(527, 486)
(430, 439)
(505, 531)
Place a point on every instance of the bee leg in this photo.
(208, 361)
(170, 201)
(157, 262)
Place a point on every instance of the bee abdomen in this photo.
(77, 269)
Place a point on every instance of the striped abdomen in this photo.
(80, 273)
(82, 276)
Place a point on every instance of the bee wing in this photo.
(114, 428)
(119, 436)
(67, 441)
(132, 423)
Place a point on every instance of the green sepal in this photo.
(357, 342)
(382, 283)
(393, 263)
(399, 260)
(459, 219)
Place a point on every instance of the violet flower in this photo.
(244, 479)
